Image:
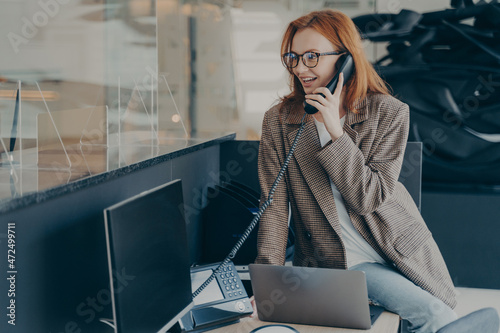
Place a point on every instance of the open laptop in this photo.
(312, 296)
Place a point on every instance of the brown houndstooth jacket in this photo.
(364, 164)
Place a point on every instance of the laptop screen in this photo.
(148, 260)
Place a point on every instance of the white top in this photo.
(357, 248)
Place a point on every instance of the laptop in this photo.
(312, 296)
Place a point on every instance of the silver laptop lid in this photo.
(312, 296)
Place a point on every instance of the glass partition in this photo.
(88, 86)
(79, 90)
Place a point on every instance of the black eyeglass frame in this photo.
(302, 56)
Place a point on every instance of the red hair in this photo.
(341, 31)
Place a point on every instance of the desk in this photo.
(387, 323)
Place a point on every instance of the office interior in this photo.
(101, 100)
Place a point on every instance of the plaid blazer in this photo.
(364, 164)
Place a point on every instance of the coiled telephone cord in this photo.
(257, 216)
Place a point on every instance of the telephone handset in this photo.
(346, 67)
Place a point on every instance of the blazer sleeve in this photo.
(273, 225)
(365, 182)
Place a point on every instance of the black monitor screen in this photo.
(148, 260)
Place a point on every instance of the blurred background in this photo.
(221, 58)
(88, 86)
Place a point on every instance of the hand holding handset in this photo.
(346, 67)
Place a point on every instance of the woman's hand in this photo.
(254, 306)
(330, 107)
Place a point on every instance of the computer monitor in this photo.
(148, 260)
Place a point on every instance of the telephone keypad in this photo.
(230, 282)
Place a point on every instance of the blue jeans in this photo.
(388, 288)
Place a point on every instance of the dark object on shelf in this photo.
(448, 72)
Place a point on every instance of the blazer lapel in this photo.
(305, 154)
(317, 179)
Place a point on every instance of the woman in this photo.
(349, 210)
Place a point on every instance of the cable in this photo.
(257, 216)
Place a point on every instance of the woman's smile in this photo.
(307, 81)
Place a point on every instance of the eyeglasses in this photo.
(310, 59)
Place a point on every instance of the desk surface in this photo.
(387, 323)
